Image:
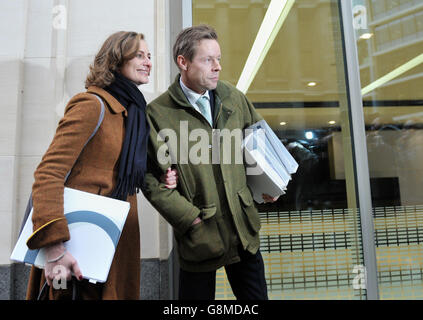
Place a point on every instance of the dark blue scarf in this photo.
(133, 158)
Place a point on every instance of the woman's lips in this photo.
(147, 72)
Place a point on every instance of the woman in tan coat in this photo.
(112, 164)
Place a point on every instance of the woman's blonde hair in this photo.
(115, 51)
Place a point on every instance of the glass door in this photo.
(288, 57)
(390, 47)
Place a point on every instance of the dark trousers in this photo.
(246, 278)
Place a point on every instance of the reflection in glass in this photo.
(394, 120)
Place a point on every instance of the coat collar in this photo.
(222, 95)
(176, 93)
(111, 101)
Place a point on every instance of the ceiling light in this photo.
(312, 84)
(332, 122)
(366, 36)
(393, 74)
(309, 135)
(273, 20)
(282, 123)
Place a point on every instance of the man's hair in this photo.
(188, 39)
(118, 48)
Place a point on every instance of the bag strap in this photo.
(100, 120)
(76, 295)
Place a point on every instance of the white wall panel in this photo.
(41, 67)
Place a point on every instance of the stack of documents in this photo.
(269, 164)
(95, 224)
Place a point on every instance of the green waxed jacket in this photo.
(214, 189)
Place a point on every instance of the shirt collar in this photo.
(191, 95)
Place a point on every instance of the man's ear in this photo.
(182, 62)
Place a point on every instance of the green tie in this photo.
(204, 104)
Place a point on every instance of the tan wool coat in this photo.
(94, 170)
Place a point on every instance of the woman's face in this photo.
(138, 68)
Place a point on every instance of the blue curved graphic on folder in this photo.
(88, 217)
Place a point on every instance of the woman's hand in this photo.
(62, 264)
(170, 179)
(196, 221)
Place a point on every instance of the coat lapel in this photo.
(222, 106)
(223, 113)
(114, 105)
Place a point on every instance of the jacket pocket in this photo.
(247, 204)
(202, 241)
(186, 186)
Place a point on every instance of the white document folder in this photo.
(268, 182)
(269, 163)
(277, 146)
(95, 224)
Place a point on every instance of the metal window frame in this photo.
(358, 135)
(186, 13)
(180, 18)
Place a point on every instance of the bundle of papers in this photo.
(95, 224)
(269, 163)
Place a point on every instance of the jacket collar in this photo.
(176, 93)
(111, 101)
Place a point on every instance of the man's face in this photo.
(202, 73)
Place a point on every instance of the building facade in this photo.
(338, 81)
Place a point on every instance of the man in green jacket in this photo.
(212, 211)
